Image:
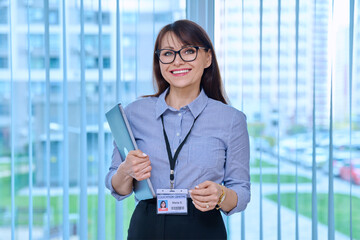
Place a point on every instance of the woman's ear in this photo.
(208, 58)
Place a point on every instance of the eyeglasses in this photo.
(187, 54)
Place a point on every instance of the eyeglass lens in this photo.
(187, 54)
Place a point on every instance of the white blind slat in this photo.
(12, 125)
(314, 182)
(351, 52)
(47, 116)
(30, 138)
(83, 134)
(101, 139)
(66, 207)
(278, 121)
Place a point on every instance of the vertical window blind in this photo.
(78, 60)
(291, 66)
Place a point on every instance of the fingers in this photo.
(207, 188)
(204, 206)
(137, 165)
(205, 184)
(205, 196)
(204, 203)
(138, 153)
(209, 198)
(142, 173)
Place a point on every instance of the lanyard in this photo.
(172, 160)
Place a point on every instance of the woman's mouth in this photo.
(180, 72)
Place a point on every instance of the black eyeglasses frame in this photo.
(157, 52)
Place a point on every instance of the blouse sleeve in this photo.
(237, 175)
(116, 160)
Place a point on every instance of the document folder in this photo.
(125, 141)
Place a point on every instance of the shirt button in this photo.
(179, 114)
(177, 134)
(175, 150)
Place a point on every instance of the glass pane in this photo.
(49, 168)
(3, 14)
(279, 108)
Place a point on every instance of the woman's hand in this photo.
(206, 195)
(137, 165)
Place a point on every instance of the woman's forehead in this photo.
(170, 40)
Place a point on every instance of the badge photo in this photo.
(162, 205)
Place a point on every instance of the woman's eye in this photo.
(168, 54)
(189, 51)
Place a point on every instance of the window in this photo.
(4, 62)
(47, 140)
(37, 50)
(54, 17)
(4, 51)
(37, 62)
(280, 117)
(3, 43)
(3, 14)
(93, 17)
(36, 15)
(290, 138)
(91, 45)
(54, 62)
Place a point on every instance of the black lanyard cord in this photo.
(172, 160)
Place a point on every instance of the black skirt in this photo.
(147, 224)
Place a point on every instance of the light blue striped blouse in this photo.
(217, 148)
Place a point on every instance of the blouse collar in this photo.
(195, 107)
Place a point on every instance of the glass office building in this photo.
(63, 64)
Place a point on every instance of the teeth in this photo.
(180, 71)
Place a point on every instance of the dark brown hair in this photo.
(190, 33)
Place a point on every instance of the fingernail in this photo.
(193, 202)
(144, 154)
(190, 191)
(196, 186)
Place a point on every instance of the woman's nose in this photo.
(178, 60)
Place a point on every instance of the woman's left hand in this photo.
(206, 195)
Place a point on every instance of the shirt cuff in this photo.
(112, 190)
(243, 198)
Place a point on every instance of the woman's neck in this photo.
(177, 98)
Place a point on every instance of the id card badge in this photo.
(172, 201)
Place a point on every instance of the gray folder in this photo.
(125, 142)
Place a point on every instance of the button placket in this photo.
(177, 137)
(178, 127)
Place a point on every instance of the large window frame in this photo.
(40, 88)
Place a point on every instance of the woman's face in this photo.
(179, 74)
(163, 205)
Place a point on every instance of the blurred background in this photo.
(291, 66)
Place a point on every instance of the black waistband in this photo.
(153, 200)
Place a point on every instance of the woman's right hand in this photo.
(136, 165)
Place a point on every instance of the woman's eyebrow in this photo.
(168, 47)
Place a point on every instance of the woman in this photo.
(186, 130)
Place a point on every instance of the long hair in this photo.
(190, 33)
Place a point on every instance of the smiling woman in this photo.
(194, 147)
(183, 73)
(183, 35)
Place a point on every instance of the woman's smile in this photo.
(180, 72)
